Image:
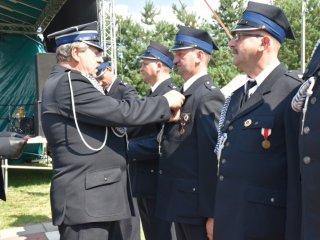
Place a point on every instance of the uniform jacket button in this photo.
(223, 161)
(230, 128)
(306, 130)
(313, 100)
(221, 178)
(160, 171)
(272, 200)
(306, 160)
(151, 170)
(227, 144)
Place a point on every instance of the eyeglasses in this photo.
(236, 36)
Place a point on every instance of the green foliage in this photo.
(133, 38)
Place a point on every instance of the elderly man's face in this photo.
(89, 60)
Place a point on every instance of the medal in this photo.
(181, 130)
(247, 123)
(265, 132)
(266, 144)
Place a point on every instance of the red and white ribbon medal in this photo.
(265, 132)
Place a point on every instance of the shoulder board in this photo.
(295, 74)
(173, 86)
(123, 83)
(209, 85)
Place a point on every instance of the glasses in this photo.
(236, 36)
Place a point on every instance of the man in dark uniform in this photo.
(89, 190)
(187, 168)
(307, 102)
(114, 87)
(156, 66)
(257, 194)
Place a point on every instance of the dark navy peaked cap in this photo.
(159, 52)
(187, 38)
(86, 33)
(260, 16)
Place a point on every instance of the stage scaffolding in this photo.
(107, 28)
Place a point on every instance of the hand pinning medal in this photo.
(266, 132)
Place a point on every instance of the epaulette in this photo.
(123, 82)
(209, 85)
(295, 74)
(173, 86)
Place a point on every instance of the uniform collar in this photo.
(154, 87)
(191, 80)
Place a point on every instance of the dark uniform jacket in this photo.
(309, 148)
(90, 186)
(257, 194)
(122, 90)
(144, 153)
(188, 166)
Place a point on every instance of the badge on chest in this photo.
(266, 132)
(184, 120)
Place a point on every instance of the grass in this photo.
(27, 199)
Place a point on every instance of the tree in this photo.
(148, 13)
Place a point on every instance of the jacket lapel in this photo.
(159, 88)
(257, 97)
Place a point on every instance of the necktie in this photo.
(250, 84)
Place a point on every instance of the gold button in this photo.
(306, 160)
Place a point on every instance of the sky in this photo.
(134, 7)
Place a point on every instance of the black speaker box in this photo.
(44, 63)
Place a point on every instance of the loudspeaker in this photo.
(44, 63)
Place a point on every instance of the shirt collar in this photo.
(265, 72)
(154, 87)
(114, 79)
(191, 80)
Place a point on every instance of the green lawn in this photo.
(27, 199)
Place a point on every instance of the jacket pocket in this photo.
(98, 178)
(265, 214)
(187, 198)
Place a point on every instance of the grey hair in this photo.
(63, 52)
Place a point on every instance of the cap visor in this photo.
(94, 44)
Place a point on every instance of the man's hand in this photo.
(175, 115)
(209, 227)
(175, 99)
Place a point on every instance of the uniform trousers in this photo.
(90, 231)
(153, 227)
(190, 231)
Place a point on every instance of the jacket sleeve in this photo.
(93, 107)
(143, 148)
(207, 119)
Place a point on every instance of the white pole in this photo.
(303, 33)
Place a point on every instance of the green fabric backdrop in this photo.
(17, 80)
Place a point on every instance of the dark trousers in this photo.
(153, 227)
(190, 231)
(2, 192)
(129, 229)
(89, 231)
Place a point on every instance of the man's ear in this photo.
(75, 53)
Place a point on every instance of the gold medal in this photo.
(266, 144)
(181, 130)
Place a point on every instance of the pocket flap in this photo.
(187, 186)
(266, 196)
(102, 177)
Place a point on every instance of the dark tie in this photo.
(250, 84)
